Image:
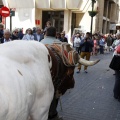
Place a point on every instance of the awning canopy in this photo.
(78, 5)
(19, 3)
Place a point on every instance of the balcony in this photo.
(71, 4)
(78, 5)
(43, 4)
(20, 3)
(58, 4)
(114, 1)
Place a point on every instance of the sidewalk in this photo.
(92, 97)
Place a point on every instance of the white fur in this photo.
(26, 87)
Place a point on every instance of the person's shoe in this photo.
(85, 71)
(78, 71)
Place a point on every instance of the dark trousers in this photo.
(101, 49)
(78, 49)
(116, 89)
(53, 108)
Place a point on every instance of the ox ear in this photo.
(87, 63)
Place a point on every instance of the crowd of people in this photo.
(31, 34)
(93, 44)
(100, 42)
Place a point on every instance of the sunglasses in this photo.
(16, 32)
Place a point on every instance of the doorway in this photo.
(56, 18)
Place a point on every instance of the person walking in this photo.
(102, 44)
(96, 45)
(86, 49)
(77, 42)
(115, 62)
(109, 42)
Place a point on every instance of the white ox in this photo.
(26, 87)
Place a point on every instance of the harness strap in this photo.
(57, 78)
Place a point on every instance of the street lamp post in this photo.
(92, 14)
(93, 1)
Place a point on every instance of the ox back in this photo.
(26, 87)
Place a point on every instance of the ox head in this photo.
(76, 57)
(67, 80)
(64, 60)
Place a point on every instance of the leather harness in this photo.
(57, 67)
(62, 75)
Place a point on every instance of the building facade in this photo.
(67, 15)
(108, 16)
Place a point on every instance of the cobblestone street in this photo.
(92, 97)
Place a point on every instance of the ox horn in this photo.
(88, 63)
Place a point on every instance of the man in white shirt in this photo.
(6, 37)
(77, 42)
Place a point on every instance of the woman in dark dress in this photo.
(116, 89)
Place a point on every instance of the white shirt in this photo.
(28, 37)
(77, 42)
(38, 37)
(117, 43)
(7, 40)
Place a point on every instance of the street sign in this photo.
(5, 12)
(12, 13)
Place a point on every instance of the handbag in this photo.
(115, 63)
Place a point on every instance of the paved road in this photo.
(92, 97)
